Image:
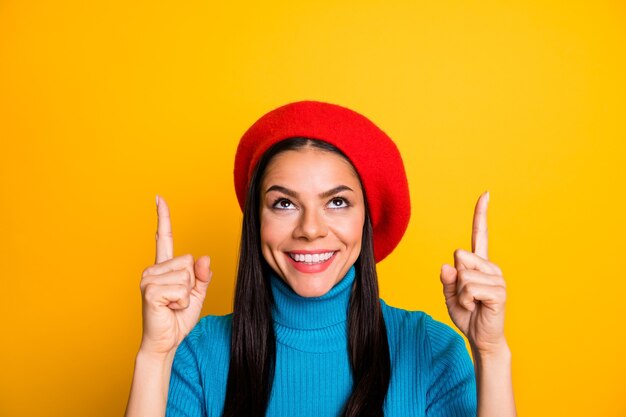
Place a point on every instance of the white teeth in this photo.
(311, 259)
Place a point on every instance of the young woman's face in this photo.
(312, 214)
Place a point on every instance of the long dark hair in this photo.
(253, 342)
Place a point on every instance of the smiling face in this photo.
(312, 214)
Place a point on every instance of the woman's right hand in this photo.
(172, 290)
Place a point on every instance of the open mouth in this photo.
(311, 262)
(311, 258)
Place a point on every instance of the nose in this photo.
(311, 225)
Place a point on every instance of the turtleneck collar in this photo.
(297, 312)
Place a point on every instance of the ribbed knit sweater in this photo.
(431, 371)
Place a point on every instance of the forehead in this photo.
(310, 164)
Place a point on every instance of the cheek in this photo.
(273, 231)
(267, 239)
(351, 231)
(267, 232)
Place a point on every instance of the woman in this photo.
(324, 197)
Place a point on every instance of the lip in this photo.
(311, 269)
(304, 252)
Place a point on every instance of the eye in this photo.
(282, 204)
(339, 202)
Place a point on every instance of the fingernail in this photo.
(157, 200)
(487, 196)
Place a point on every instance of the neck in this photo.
(297, 312)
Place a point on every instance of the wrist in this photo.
(499, 352)
(149, 390)
(155, 358)
(494, 382)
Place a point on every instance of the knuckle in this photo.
(166, 234)
(187, 278)
(181, 291)
(182, 276)
(495, 268)
(150, 292)
(462, 274)
(147, 271)
(466, 302)
(143, 283)
(458, 252)
(188, 258)
(502, 295)
(469, 288)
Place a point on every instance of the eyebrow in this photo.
(294, 194)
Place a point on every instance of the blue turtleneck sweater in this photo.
(431, 371)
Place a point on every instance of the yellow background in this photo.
(104, 104)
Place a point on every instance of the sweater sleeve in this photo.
(185, 395)
(452, 389)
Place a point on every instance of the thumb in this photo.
(448, 279)
(203, 274)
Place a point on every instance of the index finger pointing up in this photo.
(479, 228)
(164, 239)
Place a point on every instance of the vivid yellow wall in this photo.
(105, 104)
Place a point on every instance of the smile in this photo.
(311, 262)
(311, 258)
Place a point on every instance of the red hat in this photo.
(372, 153)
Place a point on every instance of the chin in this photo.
(309, 291)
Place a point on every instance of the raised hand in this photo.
(475, 290)
(173, 291)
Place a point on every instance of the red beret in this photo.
(372, 153)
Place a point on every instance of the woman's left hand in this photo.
(475, 290)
